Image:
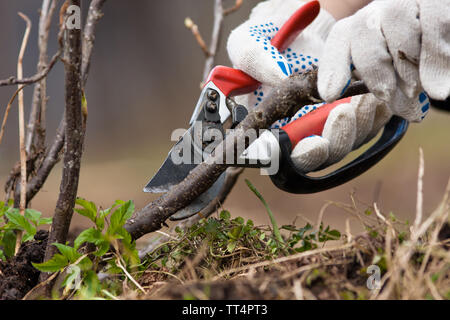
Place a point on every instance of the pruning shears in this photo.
(215, 108)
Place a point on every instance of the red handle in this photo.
(311, 123)
(302, 18)
(235, 82)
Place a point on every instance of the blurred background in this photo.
(144, 83)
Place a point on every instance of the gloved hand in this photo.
(396, 47)
(349, 124)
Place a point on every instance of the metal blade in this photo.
(201, 202)
(170, 173)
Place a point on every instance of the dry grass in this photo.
(413, 260)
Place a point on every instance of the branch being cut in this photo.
(292, 94)
(232, 174)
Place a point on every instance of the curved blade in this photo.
(201, 202)
(171, 173)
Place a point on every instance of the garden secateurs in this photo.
(214, 109)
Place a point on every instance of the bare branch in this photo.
(94, 16)
(232, 175)
(215, 37)
(37, 118)
(234, 8)
(37, 77)
(194, 29)
(73, 143)
(8, 108)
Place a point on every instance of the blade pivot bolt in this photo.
(212, 95)
(211, 107)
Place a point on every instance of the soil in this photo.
(18, 276)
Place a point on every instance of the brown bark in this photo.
(73, 143)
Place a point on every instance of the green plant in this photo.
(12, 221)
(107, 247)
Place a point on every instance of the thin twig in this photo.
(215, 37)
(23, 153)
(119, 264)
(419, 206)
(234, 8)
(194, 29)
(8, 107)
(33, 79)
(37, 118)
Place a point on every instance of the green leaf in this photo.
(289, 228)
(33, 215)
(19, 221)
(90, 235)
(45, 221)
(85, 264)
(231, 246)
(9, 243)
(225, 215)
(235, 233)
(70, 253)
(56, 263)
(2, 255)
(27, 237)
(89, 210)
(276, 231)
(120, 216)
(91, 285)
(106, 212)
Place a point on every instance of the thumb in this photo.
(250, 50)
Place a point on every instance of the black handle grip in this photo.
(441, 105)
(291, 180)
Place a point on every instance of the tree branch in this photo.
(232, 175)
(94, 16)
(37, 77)
(215, 37)
(23, 152)
(37, 118)
(73, 143)
(292, 94)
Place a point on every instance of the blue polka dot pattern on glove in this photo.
(289, 62)
(424, 104)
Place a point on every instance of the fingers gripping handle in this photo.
(312, 123)
(291, 180)
(235, 82)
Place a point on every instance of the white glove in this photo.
(397, 47)
(348, 126)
